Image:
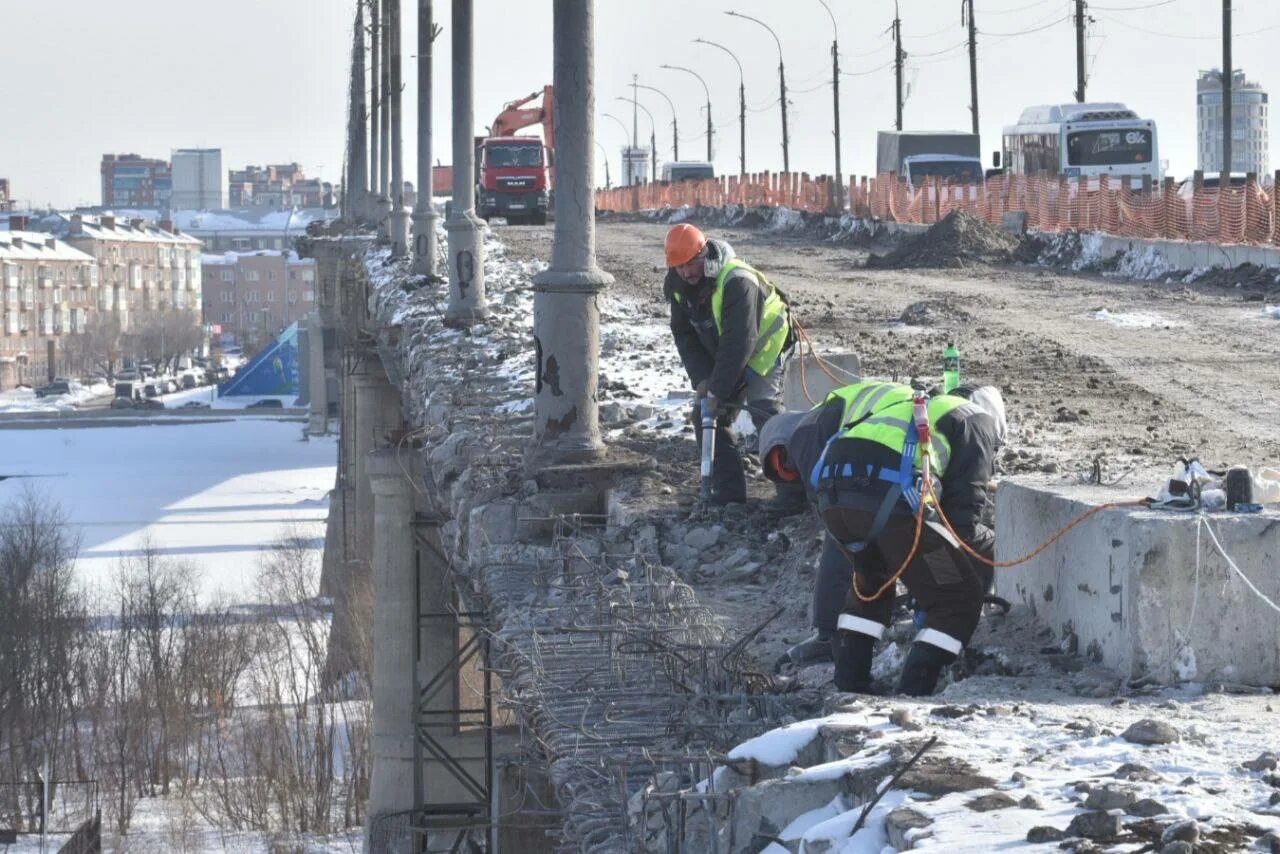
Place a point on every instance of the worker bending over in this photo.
(857, 455)
(732, 329)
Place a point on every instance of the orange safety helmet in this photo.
(684, 242)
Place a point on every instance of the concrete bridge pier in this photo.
(317, 381)
(395, 613)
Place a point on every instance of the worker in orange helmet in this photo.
(732, 328)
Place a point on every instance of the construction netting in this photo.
(1246, 213)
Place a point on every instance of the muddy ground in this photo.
(1194, 373)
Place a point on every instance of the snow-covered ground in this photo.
(25, 400)
(213, 494)
(1037, 760)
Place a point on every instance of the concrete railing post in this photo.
(424, 216)
(466, 233)
(394, 617)
(566, 311)
(318, 418)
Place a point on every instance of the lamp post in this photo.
(835, 99)
(626, 165)
(782, 81)
(675, 128)
(653, 135)
(608, 182)
(706, 91)
(742, 106)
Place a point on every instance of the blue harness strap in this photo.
(902, 483)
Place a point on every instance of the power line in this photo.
(1093, 8)
(1052, 23)
(868, 71)
(1186, 37)
(1016, 8)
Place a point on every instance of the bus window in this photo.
(1109, 147)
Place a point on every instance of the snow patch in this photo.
(1136, 319)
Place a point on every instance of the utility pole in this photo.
(1080, 76)
(467, 298)
(675, 127)
(742, 106)
(384, 118)
(635, 111)
(782, 81)
(898, 57)
(567, 295)
(835, 100)
(356, 196)
(424, 217)
(375, 105)
(973, 66)
(398, 225)
(1227, 74)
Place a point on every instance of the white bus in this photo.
(1082, 141)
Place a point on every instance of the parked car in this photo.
(122, 403)
(266, 403)
(147, 369)
(151, 390)
(153, 403)
(195, 404)
(54, 389)
(127, 376)
(168, 384)
(189, 381)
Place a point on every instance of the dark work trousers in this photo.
(761, 396)
(946, 583)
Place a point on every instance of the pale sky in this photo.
(266, 80)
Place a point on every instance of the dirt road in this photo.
(1171, 370)
(1134, 374)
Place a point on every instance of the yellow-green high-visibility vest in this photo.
(771, 337)
(882, 412)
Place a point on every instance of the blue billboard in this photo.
(273, 371)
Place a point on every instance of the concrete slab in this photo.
(805, 383)
(1134, 590)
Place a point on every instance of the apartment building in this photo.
(49, 290)
(281, 185)
(1250, 138)
(198, 179)
(6, 200)
(253, 295)
(130, 181)
(142, 267)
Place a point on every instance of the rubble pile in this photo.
(972, 776)
(958, 240)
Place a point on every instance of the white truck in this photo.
(915, 155)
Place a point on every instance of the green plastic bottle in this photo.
(950, 369)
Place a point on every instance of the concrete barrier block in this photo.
(804, 372)
(1127, 583)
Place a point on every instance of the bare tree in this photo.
(98, 348)
(41, 639)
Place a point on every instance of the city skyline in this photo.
(1148, 57)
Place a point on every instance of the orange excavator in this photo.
(514, 174)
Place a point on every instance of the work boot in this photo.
(922, 668)
(788, 500)
(852, 652)
(815, 649)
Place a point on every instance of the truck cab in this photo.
(687, 170)
(512, 179)
(953, 156)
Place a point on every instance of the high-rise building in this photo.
(198, 179)
(130, 181)
(1250, 142)
(6, 201)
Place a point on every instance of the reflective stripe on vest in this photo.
(771, 337)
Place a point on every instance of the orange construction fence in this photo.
(1124, 208)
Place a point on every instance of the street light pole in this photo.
(626, 164)
(608, 182)
(705, 90)
(742, 106)
(782, 81)
(835, 97)
(653, 134)
(675, 128)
